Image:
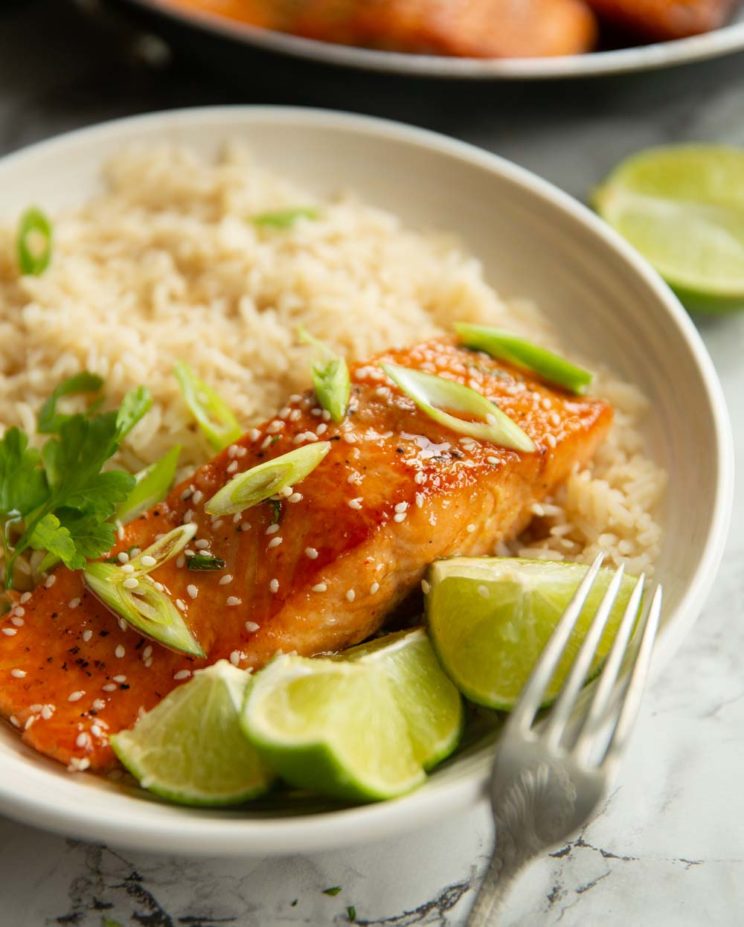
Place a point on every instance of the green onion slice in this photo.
(522, 353)
(260, 483)
(145, 608)
(435, 394)
(331, 379)
(34, 242)
(151, 487)
(203, 563)
(165, 548)
(214, 416)
(284, 218)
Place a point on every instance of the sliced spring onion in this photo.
(34, 242)
(260, 483)
(165, 548)
(135, 404)
(284, 218)
(151, 487)
(522, 353)
(331, 379)
(202, 563)
(435, 394)
(212, 413)
(145, 608)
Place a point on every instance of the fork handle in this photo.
(497, 880)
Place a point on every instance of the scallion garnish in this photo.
(434, 394)
(203, 563)
(145, 607)
(284, 218)
(331, 379)
(34, 242)
(267, 479)
(152, 486)
(164, 549)
(522, 353)
(214, 416)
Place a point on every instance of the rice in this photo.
(163, 266)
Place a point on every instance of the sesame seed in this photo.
(326, 415)
(216, 523)
(321, 429)
(274, 542)
(9, 632)
(254, 434)
(73, 603)
(285, 413)
(98, 705)
(420, 477)
(400, 516)
(31, 720)
(25, 597)
(17, 621)
(272, 529)
(295, 497)
(97, 731)
(120, 678)
(311, 552)
(192, 590)
(241, 452)
(197, 497)
(18, 673)
(274, 585)
(87, 634)
(245, 526)
(275, 427)
(316, 412)
(201, 544)
(375, 587)
(350, 438)
(492, 460)
(148, 561)
(233, 467)
(286, 491)
(181, 562)
(119, 651)
(224, 580)
(187, 493)
(127, 568)
(355, 503)
(76, 696)
(14, 721)
(235, 657)
(182, 674)
(350, 595)
(232, 451)
(425, 587)
(159, 586)
(77, 764)
(147, 661)
(109, 687)
(181, 604)
(419, 500)
(295, 415)
(48, 710)
(233, 600)
(131, 582)
(82, 740)
(147, 652)
(251, 626)
(50, 581)
(120, 531)
(471, 528)
(401, 507)
(319, 587)
(188, 517)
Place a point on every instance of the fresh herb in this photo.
(277, 510)
(215, 418)
(50, 421)
(434, 394)
(331, 379)
(109, 922)
(151, 487)
(34, 242)
(58, 500)
(332, 891)
(284, 218)
(522, 353)
(204, 563)
(144, 606)
(267, 479)
(351, 913)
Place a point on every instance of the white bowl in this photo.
(534, 241)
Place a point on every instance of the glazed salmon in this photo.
(465, 28)
(316, 571)
(662, 20)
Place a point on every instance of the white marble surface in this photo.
(668, 849)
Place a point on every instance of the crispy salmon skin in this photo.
(315, 571)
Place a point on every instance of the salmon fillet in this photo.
(315, 573)
(662, 20)
(465, 28)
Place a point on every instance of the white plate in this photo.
(723, 41)
(534, 241)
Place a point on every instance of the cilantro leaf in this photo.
(49, 420)
(101, 493)
(51, 535)
(134, 406)
(91, 536)
(22, 484)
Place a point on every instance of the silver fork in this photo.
(548, 778)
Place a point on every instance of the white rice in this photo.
(165, 265)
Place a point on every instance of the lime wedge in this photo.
(333, 727)
(683, 209)
(490, 618)
(190, 748)
(428, 699)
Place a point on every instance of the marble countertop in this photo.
(668, 848)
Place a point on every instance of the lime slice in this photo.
(490, 618)
(333, 727)
(190, 748)
(428, 699)
(683, 209)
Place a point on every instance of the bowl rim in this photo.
(190, 833)
(724, 40)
